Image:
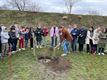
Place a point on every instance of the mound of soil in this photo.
(56, 63)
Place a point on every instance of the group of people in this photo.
(73, 38)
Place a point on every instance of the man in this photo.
(66, 38)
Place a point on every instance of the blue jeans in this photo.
(66, 46)
(26, 43)
(74, 45)
(53, 41)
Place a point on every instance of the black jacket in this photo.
(38, 33)
(82, 36)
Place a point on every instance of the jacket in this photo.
(4, 35)
(45, 31)
(75, 33)
(82, 36)
(38, 33)
(56, 33)
(65, 35)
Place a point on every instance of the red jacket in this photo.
(45, 31)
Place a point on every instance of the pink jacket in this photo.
(56, 32)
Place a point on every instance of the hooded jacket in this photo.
(4, 35)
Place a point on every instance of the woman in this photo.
(102, 42)
(89, 41)
(95, 39)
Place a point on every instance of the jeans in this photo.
(74, 45)
(0, 47)
(26, 43)
(13, 44)
(101, 50)
(66, 46)
(53, 41)
(44, 41)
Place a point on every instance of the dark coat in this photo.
(12, 37)
(82, 36)
(38, 33)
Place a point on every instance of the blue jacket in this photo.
(26, 36)
(75, 33)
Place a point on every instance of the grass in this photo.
(24, 66)
(8, 17)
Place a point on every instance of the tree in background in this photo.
(69, 4)
(21, 5)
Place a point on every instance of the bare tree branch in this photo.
(69, 4)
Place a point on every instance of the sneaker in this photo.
(40, 46)
(37, 47)
(99, 53)
(19, 49)
(63, 54)
(23, 48)
(102, 53)
(31, 48)
(13, 52)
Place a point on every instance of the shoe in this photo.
(31, 48)
(19, 49)
(13, 52)
(63, 54)
(37, 47)
(102, 53)
(23, 48)
(99, 53)
(40, 46)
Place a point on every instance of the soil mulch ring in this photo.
(56, 64)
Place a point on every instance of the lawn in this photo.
(24, 66)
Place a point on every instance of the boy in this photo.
(4, 41)
(66, 38)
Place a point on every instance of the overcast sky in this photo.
(82, 7)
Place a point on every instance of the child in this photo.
(66, 38)
(74, 34)
(21, 38)
(102, 42)
(0, 41)
(81, 38)
(95, 40)
(45, 33)
(26, 37)
(12, 39)
(38, 33)
(4, 41)
(89, 42)
(54, 33)
(31, 38)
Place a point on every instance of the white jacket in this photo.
(95, 37)
(4, 35)
(88, 37)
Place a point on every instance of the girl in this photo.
(89, 41)
(38, 33)
(12, 39)
(21, 38)
(54, 33)
(102, 42)
(26, 37)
